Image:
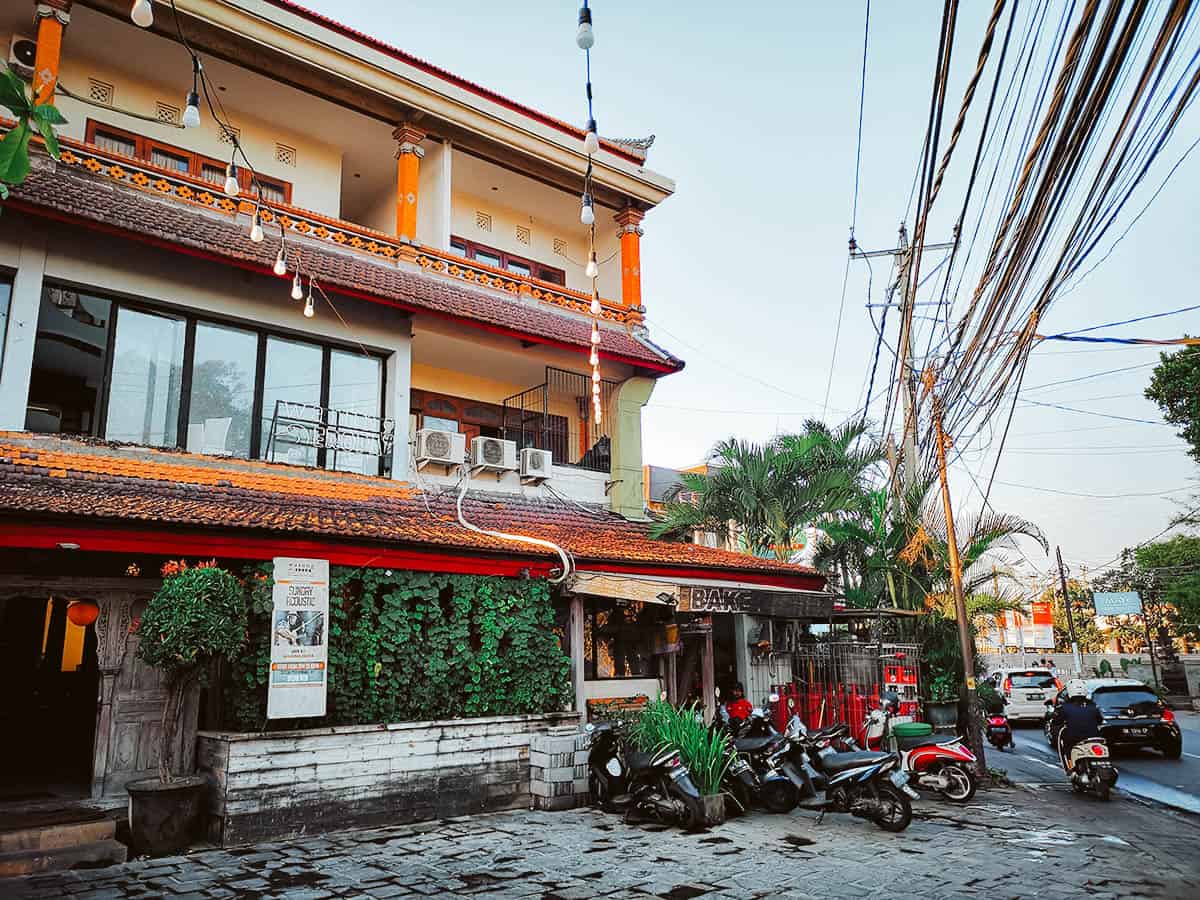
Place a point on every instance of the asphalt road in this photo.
(1144, 773)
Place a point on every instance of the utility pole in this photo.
(1062, 577)
(974, 732)
(908, 389)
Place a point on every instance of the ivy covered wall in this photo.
(413, 646)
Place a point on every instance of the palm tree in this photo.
(766, 494)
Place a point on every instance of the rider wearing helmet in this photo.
(1078, 717)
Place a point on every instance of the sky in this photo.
(755, 111)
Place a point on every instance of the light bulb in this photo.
(232, 189)
(280, 263)
(596, 389)
(594, 359)
(297, 287)
(595, 376)
(585, 38)
(591, 142)
(595, 305)
(599, 417)
(593, 267)
(309, 312)
(191, 113)
(256, 231)
(595, 334)
(142, 13)
(586, 214)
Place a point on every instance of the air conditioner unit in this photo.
(536, 464)
(493, 454)
(22, 53)
(445, 448)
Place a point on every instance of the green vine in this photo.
(413, 646)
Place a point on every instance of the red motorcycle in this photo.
(935, 762)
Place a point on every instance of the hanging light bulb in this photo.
(591, 141)
(595, 334)
(142, 13)
(595, 376)
(191, 113)
(256, 230)
(594, 359)
(586, 214)
(585, 38)
(280, 263)
(596, 391)
(297, 287)
(593, 267)
(232, 189)
(596, 305)
(599, 416)
(309, 312)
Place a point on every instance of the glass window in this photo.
(212, 173)
(68, 362)
(222, 395)
(458, 247)
(1142, 701)
(355, 400)
(1032, 680)
(143, 402)
(165, 160)
(437, 423)
(115, 143)
(487, 257)
(293, 374)
(618, 639)
(518, 268)
(272, 192)
(5, 303)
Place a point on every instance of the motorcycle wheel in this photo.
(737, 799)
(780, 796)
(1103, 791)
(895, 810)
(962, 784)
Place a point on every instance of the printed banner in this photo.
(1119, 603)
(1033, 630)
(299, 639)
(1042, 627)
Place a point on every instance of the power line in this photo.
(1103, 374)
(1090, 412)
(1045, 490)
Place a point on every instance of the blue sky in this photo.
(755, 109)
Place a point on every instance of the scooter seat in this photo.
(929, 740)
(840, 762)
(638, 762)
(753, 744)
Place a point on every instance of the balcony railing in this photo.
(304, 434)
(542, 416)
(145, 176)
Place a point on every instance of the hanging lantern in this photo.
(83, 613)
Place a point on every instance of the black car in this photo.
(1134, 717)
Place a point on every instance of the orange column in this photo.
(631, 256)
(408, 173)
(52, 17)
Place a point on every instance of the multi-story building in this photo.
(283, 365)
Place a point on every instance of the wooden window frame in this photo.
(146, 146)
(537, 269)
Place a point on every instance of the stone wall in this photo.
(267, 785)
(558, 775)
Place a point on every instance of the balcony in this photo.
(556, 415)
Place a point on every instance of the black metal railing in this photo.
(557, 415)
(330, 438)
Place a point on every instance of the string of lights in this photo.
(585, 39)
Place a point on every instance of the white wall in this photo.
(622, 687)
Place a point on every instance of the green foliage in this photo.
(197, 616)
(943, 687)
(414, 646)
(1105, 669)
(32, 118)
(1175, 387)
(706, 752)
(989, 698)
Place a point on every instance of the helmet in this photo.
(1076, 687)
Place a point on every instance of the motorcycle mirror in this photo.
(589, 727)
(774, 698)
(791, 702)
(662, 696)
(717, 691)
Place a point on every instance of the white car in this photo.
(1026, 691)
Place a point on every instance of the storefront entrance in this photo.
(49, 664)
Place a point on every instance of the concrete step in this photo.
(92, 855)
(56, 835)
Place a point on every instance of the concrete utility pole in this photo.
(1062, 577)
(974, 732)
(908, 388)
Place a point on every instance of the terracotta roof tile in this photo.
(78, 195)
(116, 483)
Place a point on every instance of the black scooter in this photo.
(755, 778)
(655, 786)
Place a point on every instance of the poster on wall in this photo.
(1041, 630)
(1032, 630)
(299, 639)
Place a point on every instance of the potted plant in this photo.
(197, 616)
(941, 704)
(706, 753)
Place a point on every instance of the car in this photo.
(1134, 717)
(1026, 691)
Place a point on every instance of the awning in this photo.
(702, 595)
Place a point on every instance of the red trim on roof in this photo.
(56, 215)
(801, 581)
(456, 80)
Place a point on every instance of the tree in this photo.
(32, 118)
(1175, 387)
(1175, 568)
(766, 494)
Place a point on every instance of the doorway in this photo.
(48, 663)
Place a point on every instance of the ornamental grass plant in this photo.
(706, 752)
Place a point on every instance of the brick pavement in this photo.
(1032, 840)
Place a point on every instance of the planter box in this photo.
(269, 785)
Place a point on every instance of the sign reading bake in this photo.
(695, 598)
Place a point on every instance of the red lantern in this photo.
(83, 613)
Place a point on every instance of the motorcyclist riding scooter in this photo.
(1081, 748)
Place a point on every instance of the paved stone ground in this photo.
(1028, 841)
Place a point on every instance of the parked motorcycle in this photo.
(656, 786)
(1090, 767)
(754, 777)
(867, 784)
(999, 732)
(934, 762)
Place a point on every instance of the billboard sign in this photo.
(299, 639)
(1119, 603)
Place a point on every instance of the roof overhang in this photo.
(707, 595)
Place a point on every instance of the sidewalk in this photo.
(1028, 841)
